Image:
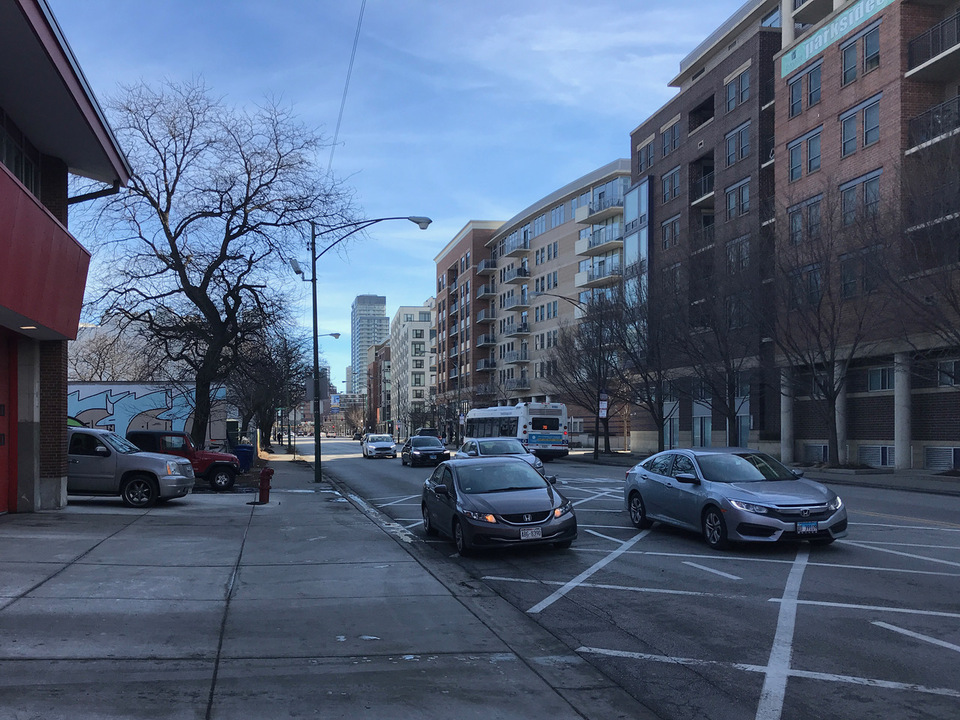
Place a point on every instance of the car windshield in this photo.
(120, 444)
(505, 446)
(380, 438)
(427, 442)
(498, 477)
(742, 467)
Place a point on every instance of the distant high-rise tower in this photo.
(369, 325)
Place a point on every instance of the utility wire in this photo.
(346, 86)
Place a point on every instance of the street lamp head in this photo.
(335, 336)
(423, 222)
(296, 267)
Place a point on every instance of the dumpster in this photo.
(244, 454)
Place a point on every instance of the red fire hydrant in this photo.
(265, 475)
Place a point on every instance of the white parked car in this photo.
(374, 446)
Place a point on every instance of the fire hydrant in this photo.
(265, 475)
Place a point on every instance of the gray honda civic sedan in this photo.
(496, 502)
(732, 495)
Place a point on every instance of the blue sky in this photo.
(457, 109)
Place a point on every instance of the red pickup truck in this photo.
(217, 468)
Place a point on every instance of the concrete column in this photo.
(786, 22)
(786, 416)
(902, 428)
(841, 412)
(28, 426)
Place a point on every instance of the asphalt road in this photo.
(866, 627)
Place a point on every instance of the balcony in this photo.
(453, 332)
(937, 122)
(516, 357)
(486, 267)
(488, 315)
(486, 291)
(517, 275)
(934, 56)
(484, 389)
(516, 384)
(517, 248)
(513, 329)
(486, 364)
(810, 12)
(599, 210)
(607, 238)
(486, 340)
(702, 237)
(701, 191)
(598, 277)
(517, 302)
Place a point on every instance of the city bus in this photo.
(541, 427)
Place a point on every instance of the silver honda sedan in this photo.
(732, 495)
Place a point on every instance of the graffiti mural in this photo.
(144, 406)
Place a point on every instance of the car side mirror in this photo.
(552, 479)
(102, 451)
(798, 473)
(688, 478)
(441, 489)
(472, 453)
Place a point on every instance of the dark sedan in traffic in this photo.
(496, 502)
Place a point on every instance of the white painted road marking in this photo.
(918, 636)
(711, 570)
(902, 554)
(879, 608)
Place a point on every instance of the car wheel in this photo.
(563, 545)
(222, 479)
(638, 513)
(428, 528)
(460, 539)
(403, 460)
(139, 492)
(715, 528)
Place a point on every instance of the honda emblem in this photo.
(527, 518)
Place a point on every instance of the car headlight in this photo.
(835, 504)
(749, 507)
(173, 468)
(482, 517)
(414, 452)
(563, 509)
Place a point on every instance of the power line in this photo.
(346, 86)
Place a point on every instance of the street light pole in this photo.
(355, 227)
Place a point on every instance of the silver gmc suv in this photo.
(100, 462)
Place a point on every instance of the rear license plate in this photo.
(806, 528)
(531, 533)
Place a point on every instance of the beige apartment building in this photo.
(413, 367)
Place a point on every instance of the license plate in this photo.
(805, 528)
(531, 533)
(433, 457)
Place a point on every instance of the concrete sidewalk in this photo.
(213, 607)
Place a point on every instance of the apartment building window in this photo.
(425, 316)
(418, 394)
(670, 232)
(947, 373)
(858, 273)
(738, 143)
(809, 79)
(416, 379)
(804, 220)
(805, 287)
(418, 364)
(551, 280)
(671, 138)
(738, 255)
(860, 197)
(880, 378)
(671, 184)
(867, 115)
(869, 40)
(557, 216)
(539, 225)
(811, 142)
(737, 311)
(738, 90)
(738, 199)
(645, 157)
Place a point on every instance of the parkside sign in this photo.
(830, 33)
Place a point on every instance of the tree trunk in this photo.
(606, 435)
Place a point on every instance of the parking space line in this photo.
(605, 586)
(916, 545)
(711, 570)
(400, 501)
(902, 554)
(600, 535)
(917, 636)
(906, 527)
(579, 579)
(877, 608)
(806, 674)
(778, 666)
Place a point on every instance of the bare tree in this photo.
(216, 195)
(102, 354)
(831, 306)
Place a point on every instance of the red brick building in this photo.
(50, 126)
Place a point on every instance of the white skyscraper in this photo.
(369, 325)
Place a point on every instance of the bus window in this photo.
(488, 426)
(545, 423)
(508, 427)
